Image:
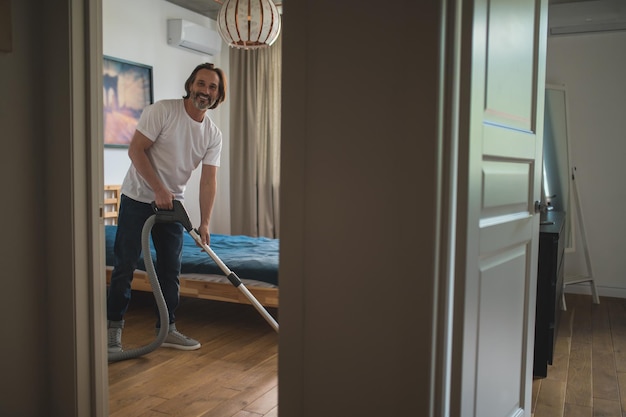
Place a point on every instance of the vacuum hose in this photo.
(158, 296)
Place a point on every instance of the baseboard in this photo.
(603, 291)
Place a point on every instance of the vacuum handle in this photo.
(177, 214)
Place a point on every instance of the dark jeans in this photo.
(168, 243)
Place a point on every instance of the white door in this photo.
(499, 181)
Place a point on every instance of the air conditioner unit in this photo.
(587, 16)
(191, 36)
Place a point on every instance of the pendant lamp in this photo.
(249, 24)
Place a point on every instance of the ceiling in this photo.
(581, 15)
(209, 8)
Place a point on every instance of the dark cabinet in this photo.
(549, 289)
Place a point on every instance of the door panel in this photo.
(506, 188)
(501, 316)
(510, 53)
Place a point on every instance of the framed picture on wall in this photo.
(127, 90)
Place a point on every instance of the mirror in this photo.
(556, 158)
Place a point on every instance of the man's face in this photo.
(205, 89)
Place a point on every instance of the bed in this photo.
(254, 260)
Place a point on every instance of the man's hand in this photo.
(203, 231)
(164, 200)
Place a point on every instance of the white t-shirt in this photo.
(180, 145)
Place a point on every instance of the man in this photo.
(172, 138)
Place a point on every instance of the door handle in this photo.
(541, 207)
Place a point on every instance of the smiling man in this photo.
(172, 139)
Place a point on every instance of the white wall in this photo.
(592, 67)
(137, 31)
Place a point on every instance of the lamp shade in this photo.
(249, 24)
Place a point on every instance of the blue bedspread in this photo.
(248, 257)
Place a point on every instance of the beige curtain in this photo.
(255, 82)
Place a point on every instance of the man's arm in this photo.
(208, 189)
(137, 153)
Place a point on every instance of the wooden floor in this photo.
(234, 373)
(588, 374)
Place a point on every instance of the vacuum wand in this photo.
(179, 214)
(234, 279)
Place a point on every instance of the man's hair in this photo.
(222, 85)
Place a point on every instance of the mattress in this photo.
(251, 258)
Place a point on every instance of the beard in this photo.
(202, 101)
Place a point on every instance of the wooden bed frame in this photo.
(190, 286)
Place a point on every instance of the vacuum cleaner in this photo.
(178, 215)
